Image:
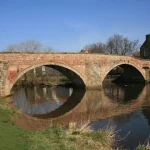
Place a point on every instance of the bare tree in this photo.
(117, 44)
(94, 48)
(11, 48)
(28, 46)
(47, 49)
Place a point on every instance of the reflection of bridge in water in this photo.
(52, 93)
(40, 100)
(94, 105)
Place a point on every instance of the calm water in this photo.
(127, 107)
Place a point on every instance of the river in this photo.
(124, 106)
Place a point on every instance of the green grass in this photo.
(11, 136)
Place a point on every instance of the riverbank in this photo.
(54, 137)
(44, 80)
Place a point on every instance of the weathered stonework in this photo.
(3, 78)
(83, 69)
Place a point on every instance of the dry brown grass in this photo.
(145, 146)
(74, 138)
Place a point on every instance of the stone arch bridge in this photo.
(87, 70)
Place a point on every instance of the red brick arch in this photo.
(49, 64)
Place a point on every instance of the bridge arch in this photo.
(127, 64)
(68, 71)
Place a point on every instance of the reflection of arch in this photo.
(122, 94)
(71, 103)
(119, 64)
(60, 67)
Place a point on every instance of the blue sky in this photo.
(69, 25)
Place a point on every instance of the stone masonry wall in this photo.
(92, 68)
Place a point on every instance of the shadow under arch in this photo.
(131, 67)
(121, 93)
(71, 73)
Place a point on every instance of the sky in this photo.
(69, 25)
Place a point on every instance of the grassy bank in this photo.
(13, 137)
